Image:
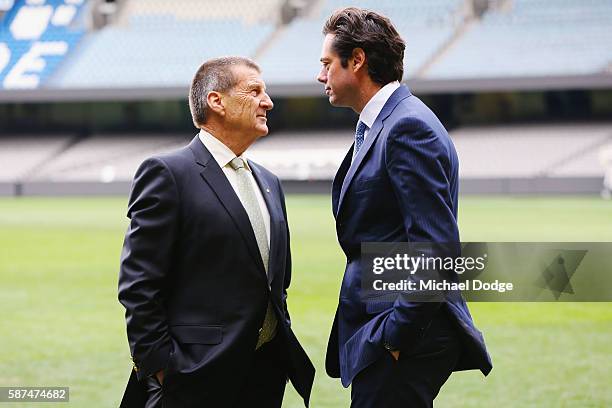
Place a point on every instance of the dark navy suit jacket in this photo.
(401, 187)
(192, 280)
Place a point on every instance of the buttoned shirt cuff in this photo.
(155, 361)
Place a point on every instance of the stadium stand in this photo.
(588, 164)
(302, 156)
(128, 54)
(22, 155)
(424, 24)
(532, 38)
(528, 151)
(446, 40)
(35, 37)
(246, 11)
(493, 152)
(105, 158)
(157, 44)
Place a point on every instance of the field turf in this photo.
(61, 324)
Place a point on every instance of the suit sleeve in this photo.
(287, 281)
(417, 164)
(145, 265)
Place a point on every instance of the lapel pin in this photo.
(267, 190)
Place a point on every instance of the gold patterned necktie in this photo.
(251, 206)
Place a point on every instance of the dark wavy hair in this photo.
(355, 27)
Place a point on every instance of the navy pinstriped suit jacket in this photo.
(401, 187)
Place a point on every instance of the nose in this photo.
(266, 102)
(322, 77)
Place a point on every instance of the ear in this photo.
(358, 59)
(215, 103)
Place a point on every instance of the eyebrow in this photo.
(256, 84)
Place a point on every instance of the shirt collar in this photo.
(220, 152)
(370, 112)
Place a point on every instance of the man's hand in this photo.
(395, 354)
(160, 376)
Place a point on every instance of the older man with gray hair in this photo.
(206, 260)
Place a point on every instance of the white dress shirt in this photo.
(372, 109)
(223, 155)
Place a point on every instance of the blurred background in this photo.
(89, 89)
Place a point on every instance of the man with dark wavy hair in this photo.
(397, 183)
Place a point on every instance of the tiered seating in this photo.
(106, 158)
(247, 11)
(21, 155)
(116, 158)
(424, 24)
(161, 44)
(528, 150)
(591, 161)
(496, 152)
(533, 38)
(302, 156)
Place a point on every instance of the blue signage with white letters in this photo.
(35, 36)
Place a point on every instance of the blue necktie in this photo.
(359, 135)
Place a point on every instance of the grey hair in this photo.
(213, 75)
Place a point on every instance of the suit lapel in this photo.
(214, 177)
(339, 179)
(276, 215)
(367, 144)
(396, 97)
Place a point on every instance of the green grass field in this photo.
(61, 324)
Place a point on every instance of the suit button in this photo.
(135, 366)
